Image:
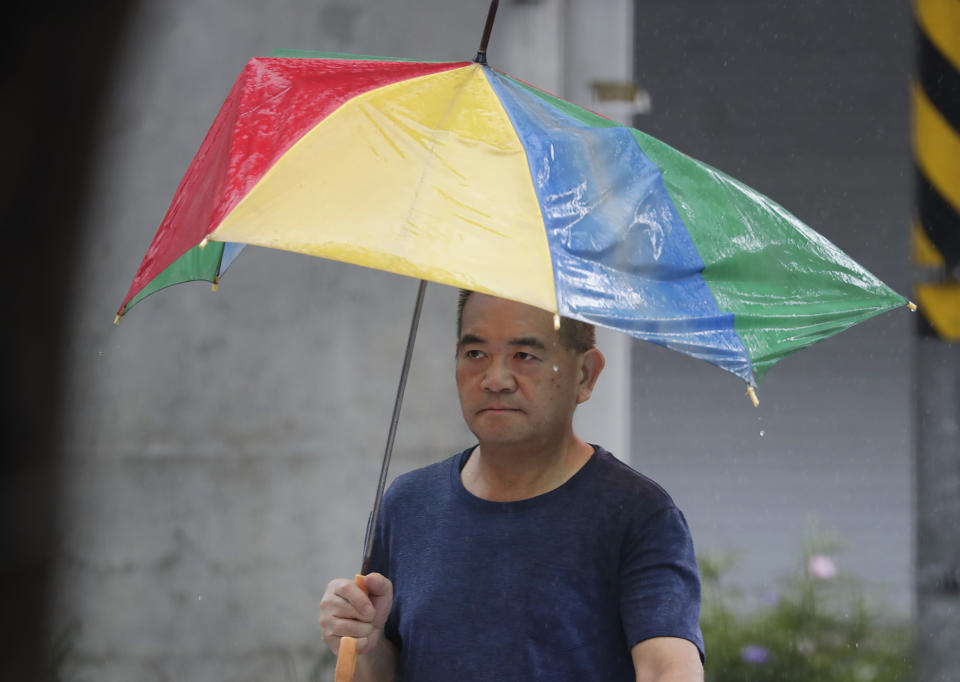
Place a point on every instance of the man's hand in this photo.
(345, 611)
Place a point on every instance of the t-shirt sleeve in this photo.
(660, 585)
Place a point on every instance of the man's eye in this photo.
(521, 355)
(473, 354)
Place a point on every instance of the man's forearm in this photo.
(667, 659)
(379, 665)
(682, 675)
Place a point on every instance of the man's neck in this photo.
(511, 473)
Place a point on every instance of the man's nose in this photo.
(498, 376)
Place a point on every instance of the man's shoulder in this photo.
(646, 508)
(426, 479)
(619, 479)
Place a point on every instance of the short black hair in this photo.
(574, 335)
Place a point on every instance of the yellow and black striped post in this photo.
(936, 152)
(936, 240)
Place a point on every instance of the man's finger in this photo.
(346, 627)
(378, 585)
(362, 607)
(381, 596)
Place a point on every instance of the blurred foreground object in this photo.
(47, 168)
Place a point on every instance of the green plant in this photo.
(819, 627)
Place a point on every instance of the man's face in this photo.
(517, 383)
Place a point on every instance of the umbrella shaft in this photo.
(392, 433)
(488, 27)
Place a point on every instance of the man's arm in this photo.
(346, 611)
(667, 659)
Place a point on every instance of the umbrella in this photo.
(458, 173)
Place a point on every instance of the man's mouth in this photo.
(498, 408)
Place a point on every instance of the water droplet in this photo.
(762, 432)
(556, 369)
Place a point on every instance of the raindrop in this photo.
(556, 369)
(762, 432)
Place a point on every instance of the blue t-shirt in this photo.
(556, 587)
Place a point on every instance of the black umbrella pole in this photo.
(481, 57)
(392, 433)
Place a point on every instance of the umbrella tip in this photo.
(116, 318)
(203, 243)
(556, 321)
(752, 392)
(216, 283)
(912, 306)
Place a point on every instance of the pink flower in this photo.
(822, 567)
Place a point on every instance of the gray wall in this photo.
(808, 103)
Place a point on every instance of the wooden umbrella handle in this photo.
(347, 652)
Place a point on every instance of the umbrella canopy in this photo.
(457, 173)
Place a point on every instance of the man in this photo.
(533, 555)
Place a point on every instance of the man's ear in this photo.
(591, 364)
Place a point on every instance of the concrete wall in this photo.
(223, 448)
